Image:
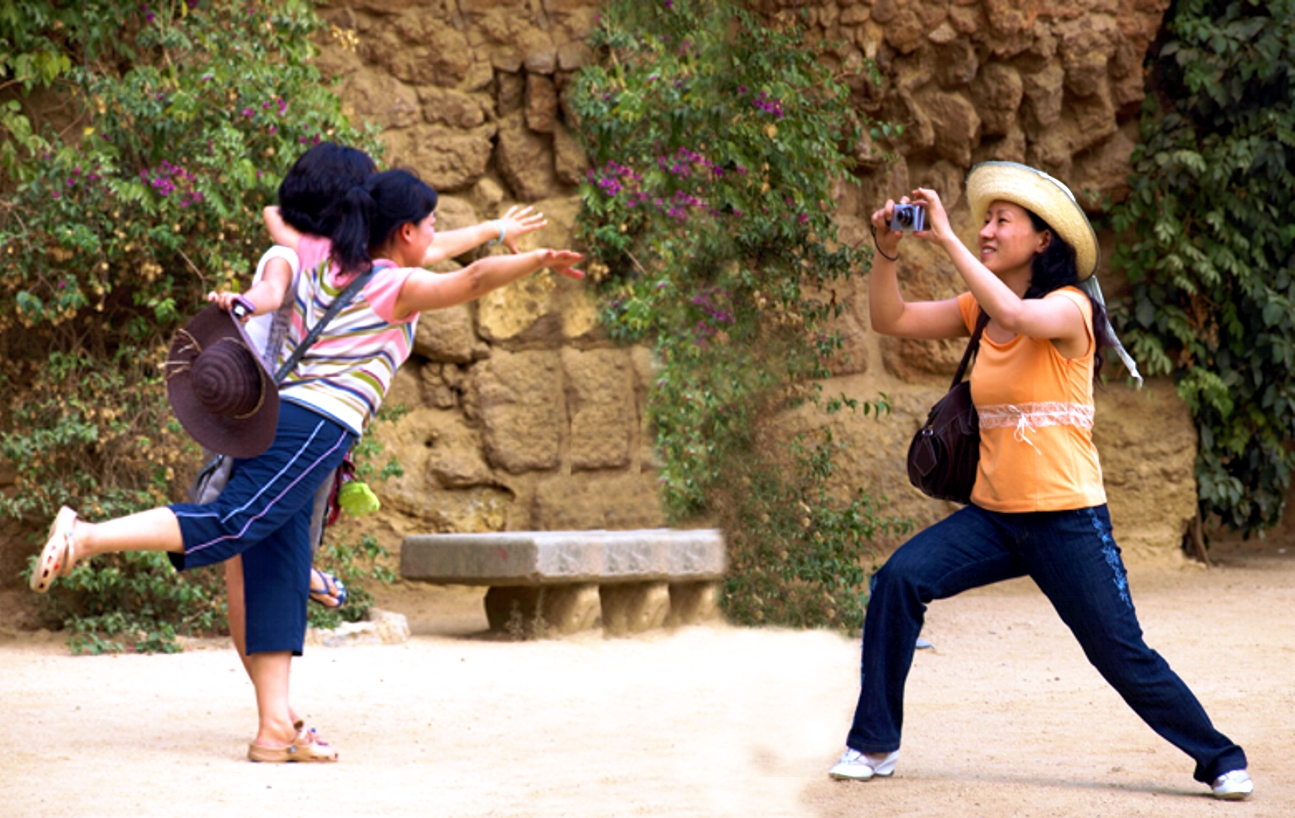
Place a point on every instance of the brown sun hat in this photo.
(220, 391)
(1035, 190)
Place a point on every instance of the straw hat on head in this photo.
(219, 388)
(1043, 195)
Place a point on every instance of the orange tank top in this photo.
(1036, 420)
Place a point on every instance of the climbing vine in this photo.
(1212, 259)
(715, 139)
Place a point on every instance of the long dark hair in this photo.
(312, 189)
(371, 213)
(1055, 268)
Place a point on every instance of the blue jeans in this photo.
(264, 515)
(1074, 560)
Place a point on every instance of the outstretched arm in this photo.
(424, 290)
(515, 223)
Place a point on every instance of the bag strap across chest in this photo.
(973, 346)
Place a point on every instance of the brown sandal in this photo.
(58, 558)
(306, 747)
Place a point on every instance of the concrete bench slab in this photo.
(565, 581)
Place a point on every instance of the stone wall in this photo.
(523, 415)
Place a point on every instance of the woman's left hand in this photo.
(561, 261)
(937, 221)
(519, 221)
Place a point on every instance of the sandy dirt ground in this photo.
(1004, 717)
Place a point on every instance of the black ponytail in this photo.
(370, 214)
(312, 189)
(1055, 268)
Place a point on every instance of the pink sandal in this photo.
(307, 746)
(58, 558)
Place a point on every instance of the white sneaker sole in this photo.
(848, 776)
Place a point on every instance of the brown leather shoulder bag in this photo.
(945, 452)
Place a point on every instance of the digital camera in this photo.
(908, 218)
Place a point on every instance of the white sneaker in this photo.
(856, 766)
(1233, 786)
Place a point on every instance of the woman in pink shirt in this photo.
(386, 226)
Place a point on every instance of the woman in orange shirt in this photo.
(1038, 507)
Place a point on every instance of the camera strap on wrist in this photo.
(881, 252)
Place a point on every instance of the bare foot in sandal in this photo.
(306, 747)
(327, 589)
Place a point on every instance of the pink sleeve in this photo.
(384, 288)
(312, 250)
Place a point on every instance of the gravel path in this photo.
(1004, 717)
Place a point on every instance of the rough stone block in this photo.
(378, 97)
(525, 159)
(447, 335)
(600, 405)
(550, 610)
(447, 159)
(518, 398)
(381, 628)
(692, 602)
(541, 103)
(584, 500)
(569, 160)
(634, 607)
(444, 106)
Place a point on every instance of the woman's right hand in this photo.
(561, 261)
(887, 239)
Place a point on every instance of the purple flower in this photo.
(283, 106)
(803, 217)
(273, 130)
(58, 195)
(248, 112)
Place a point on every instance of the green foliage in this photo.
(355, 566)
(715, 141)
(138, 144)
(1212, 264)
(135, 601)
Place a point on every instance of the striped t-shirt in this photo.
(347, 371)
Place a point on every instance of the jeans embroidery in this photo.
(1121, 579)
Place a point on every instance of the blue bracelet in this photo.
(502, 229)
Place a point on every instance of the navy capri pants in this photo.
(264, 515)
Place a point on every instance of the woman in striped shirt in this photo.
(386, 225)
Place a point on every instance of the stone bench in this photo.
(564, 581)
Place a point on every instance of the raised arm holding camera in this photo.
(1038, 505)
